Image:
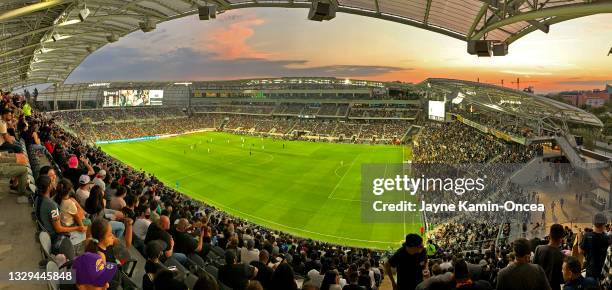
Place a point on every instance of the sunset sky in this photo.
(272, 42)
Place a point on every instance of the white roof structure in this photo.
(43, 41)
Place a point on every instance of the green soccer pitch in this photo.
(308, 189)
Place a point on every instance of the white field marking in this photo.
(222, 206)
(348, 199)
(336, 171)
(343, 176)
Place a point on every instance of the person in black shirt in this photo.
(264, 273)
(550, 257)
(410, 261)
(235, 275)
(187, 244)
(594, 246)
(74, 172)
(352, 279)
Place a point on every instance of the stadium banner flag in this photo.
(496, 192)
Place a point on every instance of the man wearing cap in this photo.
(93, 272)
(410, 261)
(594, 246)
(82, 193)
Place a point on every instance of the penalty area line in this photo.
(343, 176)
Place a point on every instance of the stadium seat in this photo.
(212, 270)
(45, 245)
(223, 286)
(53, 268)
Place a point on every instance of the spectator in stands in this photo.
(186, 243)
(165, 280)
(93, 271)
(159, 231)
(264, 273)
(73, 172)
(129, 210)
(118, 201)
(410, 261)
(594, 245)
(236, 275)
(153, 253)
(352, 282)
(463, 280)
(550, 257)
(331, 278)
(142, 222)
(254, 285)
(103, 241)
(206, 282)
(573, 278)
(95, 205)
(48, 214)
(83, 192)
(71, 212)
(522, 275)
(249, 254)
(14, 165)
(99, 179)
(283, 278)
(49, 171)
(7, 141)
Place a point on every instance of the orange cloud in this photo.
(230, 42)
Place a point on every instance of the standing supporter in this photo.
(550, 258)
(573, 277)
(522, 275)
(594, 245)
(410, 261)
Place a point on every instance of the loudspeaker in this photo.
(500, 49)
(207, 12)
(480, 47)
(320, 11)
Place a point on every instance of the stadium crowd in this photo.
(95, 209)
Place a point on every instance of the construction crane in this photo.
(518, 83)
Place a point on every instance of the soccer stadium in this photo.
(142, 177)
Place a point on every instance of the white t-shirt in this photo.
(99, 182)
(68, 208)
(140, 227)
(82, 196)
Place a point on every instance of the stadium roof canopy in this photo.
(43, 41)
(509, 101)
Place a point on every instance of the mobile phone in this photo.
(172, 268)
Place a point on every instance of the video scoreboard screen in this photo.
(131, 98)
(436, 110)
